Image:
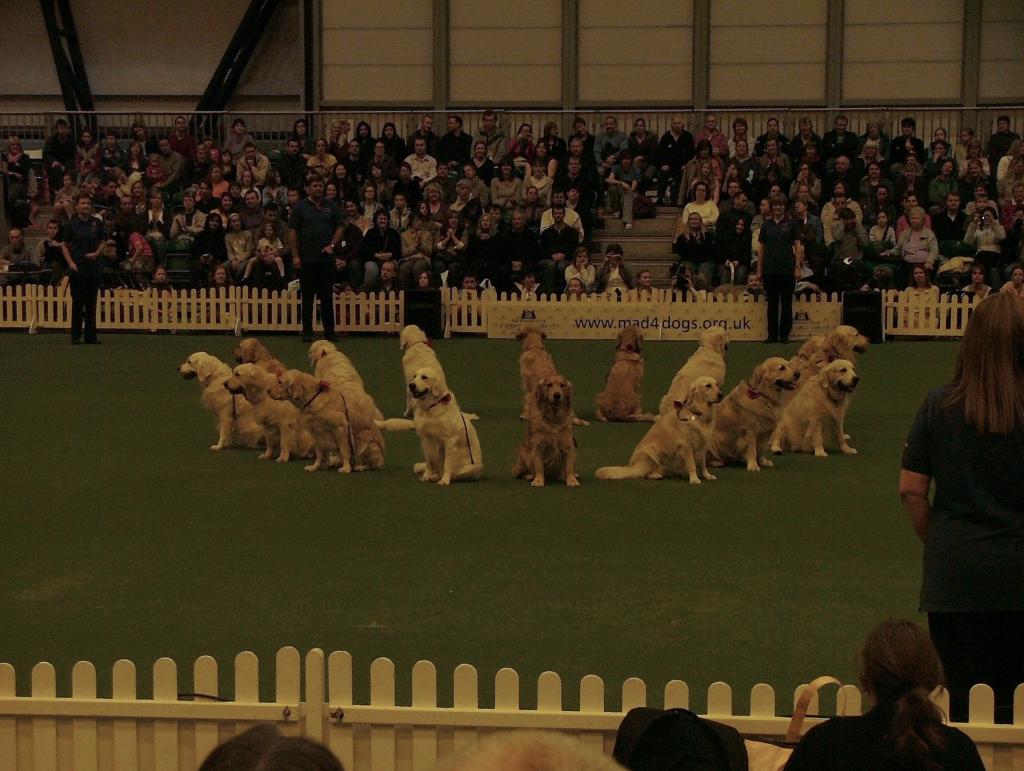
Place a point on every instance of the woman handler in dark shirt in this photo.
(968, 438)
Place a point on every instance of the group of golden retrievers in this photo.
(797, 405)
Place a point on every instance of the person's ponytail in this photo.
(914, 731)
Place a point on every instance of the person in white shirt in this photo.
(424, 167)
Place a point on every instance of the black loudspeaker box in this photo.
(863, 310)
(423, 308)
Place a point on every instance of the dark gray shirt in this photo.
(315, 226)
(974, 551)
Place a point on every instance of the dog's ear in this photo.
(437, 385)
(678, 404)
(521, 334)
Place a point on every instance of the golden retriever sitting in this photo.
(340, 419)
(843, 342)
(236, 425)
(252, 351)
(807, 365)
(678, 441)
(549, 449)
(332, 365)
(416, 354)
(817, 412)
(708, 359)
(535, 363)
(620, 400)
(451, 449)
(284, 429)
(749, 415)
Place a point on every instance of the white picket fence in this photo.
(314, 698)
(243, 310)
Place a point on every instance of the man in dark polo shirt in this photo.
(85, 242)
(780, 253)
(314, 228)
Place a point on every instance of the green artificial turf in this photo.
(123, 536)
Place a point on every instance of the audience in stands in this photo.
(521, 180)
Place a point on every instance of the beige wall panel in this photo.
(1001, 10)
(894, 43)
(363, 47)
(779, 83)
(909, 81)
(377, 85)
(667, 84)
(635, 46)
(1001, 41)
(879, 11)
(615, 13)
(28, 65)
(523, 46)
(502, 84)
(391, 13)
(1002, 81)
(774, 12)
(746, 45)
(481, 14)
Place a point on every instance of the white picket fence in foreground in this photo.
(241, 310)
(314, 698)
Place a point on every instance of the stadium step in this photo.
(634, 246)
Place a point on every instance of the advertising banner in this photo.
(658, 321)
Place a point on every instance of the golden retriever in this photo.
(284, 429)
(416, 354)
(749, 415)
(818, 411)
(549, 449)
(843, 342)
(339, 418)
(451, 449)
(708, 359)
(252, 351)
(678, 441)
(807, 365)
(335, 367)
(236, 425)
(535, 364)
(621, 400)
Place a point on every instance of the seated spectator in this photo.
(609, 145)
(17, 255)
(949, 224)
(380, 243)
(810, 224)
(158, 226)
(977, 288)
(400, 215)
(387, 280)
(293, 165)
(674, 151)
(364, 141)
(445, 181)
(849, 242)
(938, 156)
(252, 212)
(220, 279)
(19, 177)
(450, 244)
(623, 183)
(301, 136)
(481, 189)
(643, 147)
(574, 290)
(482, 163)
(643, 291)
(1015, 285)
(59, 154)
(262, 747)
(136, 159)
(695, 247)
(241, 245)
(979, 201)
(520, 243)
(454, 148)
(880, 204)
(255, 162)
(209, 249)
(839, 141)
(613, 275)
(527, 287)
(771, 132)
(581, 270)
(985, 235)
(418, 247)
(112, 154)
(388, 165)
(711, 134)
(743, 163)
(521, 150)
(495, 141)
(87, 155)
(557, 244)
(904, 145)
(973, 153)
(538, 178)
(321, 162)
(911, 180)
(484, 254)
(805, 175)
(705, 173)
(1012, 189)
(903, 728)
(506, 187)
(556, 147)
(436, 207)
(1001, 140)
(805, 135)
(692, 169)
(773, 160)
(700, 205)
(172, 165)
(1014, 154)
(975, 178)
(238, 139)
(266, 267)
(944, 182)
(830, 211)
(849, 172)
(49, 253)
(369, 204)
(274, 192)
(917, 245)
(466, 205)
(881, 238)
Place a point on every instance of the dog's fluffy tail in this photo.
(395, 424)
(620, 472)
(470, 416)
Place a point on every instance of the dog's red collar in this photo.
(443, 400)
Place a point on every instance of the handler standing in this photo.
(314, 229)
(84, 240)
(780, 254)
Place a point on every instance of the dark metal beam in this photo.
(67, 55)
(232, 64)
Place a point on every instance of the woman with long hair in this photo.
(968, 439)
(903, 729)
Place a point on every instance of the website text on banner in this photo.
(658, 321)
